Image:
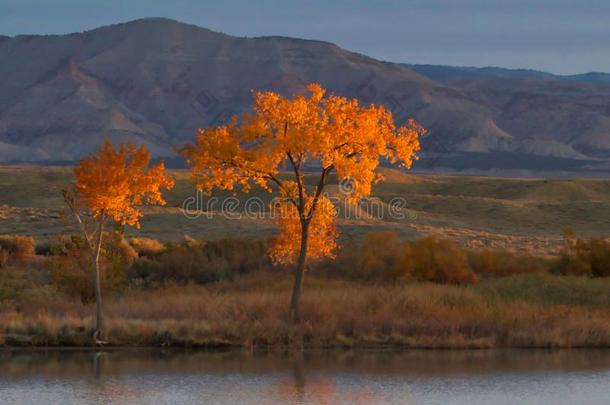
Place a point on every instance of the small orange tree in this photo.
(111, 185)
(328, 131)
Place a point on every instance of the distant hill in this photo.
(591, 77)
(550, 115)
(157, 80)
(443, 73)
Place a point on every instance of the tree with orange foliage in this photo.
(332, 132)
(111, 185)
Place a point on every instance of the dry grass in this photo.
(520, 311)
(531, 310)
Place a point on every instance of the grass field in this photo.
(226, 293)
(531, 310)
(519, 214)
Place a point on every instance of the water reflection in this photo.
(151, 376)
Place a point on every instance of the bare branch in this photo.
(299, 180)
(71, 203)
(281, 186)
(100, 231)
(318, 192)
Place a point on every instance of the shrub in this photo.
(117, 256)
(501, 264)
(16, 249)
(377, 258)
(589, 257)
(146, 246)
(596, 253)
(381, 256)
(71, 267)
(199, 262)
(18, 285)
(5, 257)
(437, 260)
(43, 248)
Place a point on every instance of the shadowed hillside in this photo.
(562, 116)
(156, 80)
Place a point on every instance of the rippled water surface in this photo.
(414, 377)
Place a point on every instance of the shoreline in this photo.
(280, 349)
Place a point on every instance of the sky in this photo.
(558, 36)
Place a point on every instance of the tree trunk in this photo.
(299, 274)
(99, 320)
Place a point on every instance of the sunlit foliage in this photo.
(322, 232)
(116, 182)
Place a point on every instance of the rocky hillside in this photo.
(565, 116)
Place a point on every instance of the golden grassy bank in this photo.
(531, 310)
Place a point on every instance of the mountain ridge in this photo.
(443, 71)
(155, 81)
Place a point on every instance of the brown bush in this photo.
(16, 249)
(146, 246)
(201, 262)
(437, 260)
(117, 249)
(5, 257)
(71, 265)
(568, 264)
(589, 257)
(595, 252)
(500, 264)
(383, 257)
(73, 274)
(377, 258)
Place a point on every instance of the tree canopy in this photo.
(317, 133)
(116, 182)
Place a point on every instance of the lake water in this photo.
(412, 377)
